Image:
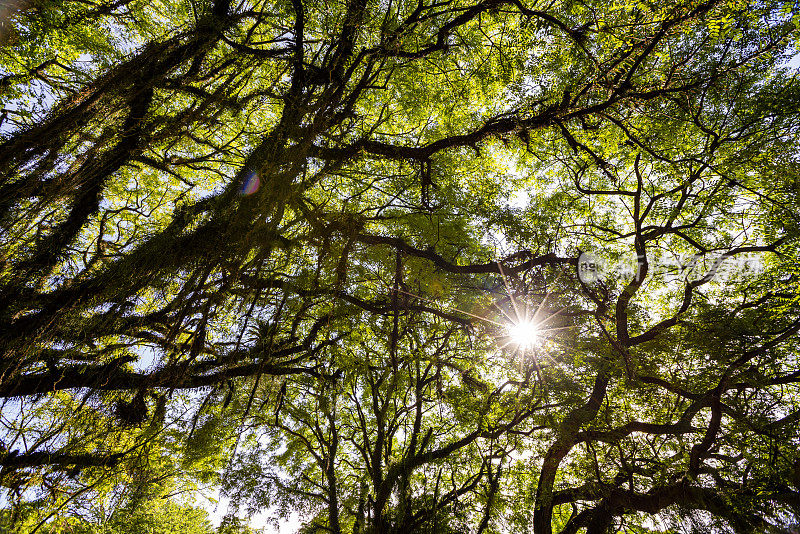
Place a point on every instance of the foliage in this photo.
(274, 249)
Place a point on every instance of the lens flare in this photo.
(251, 184)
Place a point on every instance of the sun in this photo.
(524, 334)
(523, 327)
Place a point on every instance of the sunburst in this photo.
(524, 334)
(525, 327)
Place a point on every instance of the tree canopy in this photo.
(283, 251)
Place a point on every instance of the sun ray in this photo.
(495, 323)
(525, 331)
(508, 288)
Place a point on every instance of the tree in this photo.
(268, 246)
